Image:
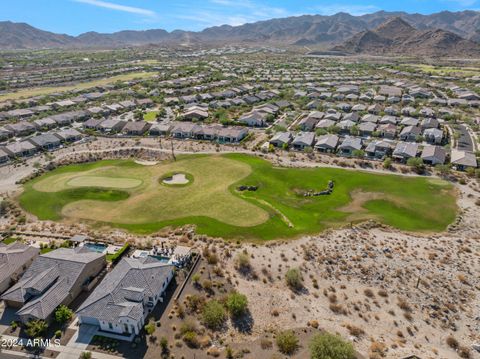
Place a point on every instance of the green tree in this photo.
(36, 328)
(237, 304)
(287, 342)
(417, 164)
(214, 315)
(387, 163)
(329, 346)
(63, 314)
(358, 154)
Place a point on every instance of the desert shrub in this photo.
(150, 328)
(293, 277)
(242, 262)
(214, 315)
(36, 328)
(330, 346)
(190, 338)
(287, 342)
(452, 342)
(237, 304)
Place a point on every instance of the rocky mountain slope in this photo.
(300, 30)
(396, 36)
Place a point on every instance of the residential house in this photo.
(349, 146)
(195, 113)
(410, 133)
(430, 122)
(281, 139)
(185, 130)
(22, 128)
(68, 135)
(463, 159)
(14, 260)
(46, 142)
(254, 119)
(54, 278)
(379, 149)
(111, 125)
(4, 157)
(45, 124)
(367, 128)
(135, 128)
(327, 143)
(122, 301)
(231, 134)
(21, 149)
(303, 140)
(405, 150)
(387, 130)
(308, 123)
(433, 155)
(160, 129)
(433, 136)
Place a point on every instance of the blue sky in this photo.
(76, 16)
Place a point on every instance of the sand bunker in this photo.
(178, 178)
(146, 163)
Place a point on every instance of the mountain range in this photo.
(396, 36)
(306, 30)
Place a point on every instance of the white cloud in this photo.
(118, 7)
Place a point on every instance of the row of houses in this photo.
(43, 142)
(375, 149)
(180, 130)
(36, 285)
(406, 128)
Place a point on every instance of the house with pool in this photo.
(122, 301)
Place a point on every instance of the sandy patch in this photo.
(359, 198)
(178, 178)
(146, 163)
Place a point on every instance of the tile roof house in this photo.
(405, 150)
(379, 149)
(433, 155)
(53, 279)
(281, 138)
(327, 143)
(136, 128)
(4, 157)
(410, 133)
(47, 141)
(14, 260)
(21, 149)
(349, 145)
(433, 135)
(463, 159)
(303, 140)
(125, 297)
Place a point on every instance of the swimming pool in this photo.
(96, 247)
(162, 259)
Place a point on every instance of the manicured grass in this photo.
(150, 116)
(9, 240)
(38, 91)
(211, 202)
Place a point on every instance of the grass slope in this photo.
(211, 202)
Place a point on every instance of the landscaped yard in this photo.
(131, 196)
(150, 116)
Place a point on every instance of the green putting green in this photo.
(124, 194)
